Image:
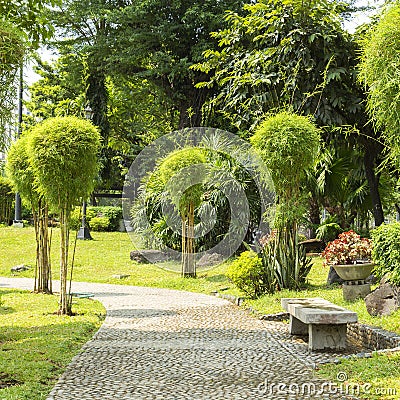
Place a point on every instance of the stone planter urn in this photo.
(354, 276)
(354, 272)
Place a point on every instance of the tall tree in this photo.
(161, 40)
(63, 154)
(20, 171)
(292, 54)
(380, 73)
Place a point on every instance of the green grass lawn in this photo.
(36, 345)
(99, 259)
(108, 254)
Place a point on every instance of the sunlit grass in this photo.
(108, 255)
(36, 345)
(99, 259)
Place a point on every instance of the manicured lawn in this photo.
(36, 345)
(372, 378)
(108, 254)
(99, 259)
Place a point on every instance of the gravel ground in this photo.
(171, 345)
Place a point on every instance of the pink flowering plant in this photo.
(349, 248)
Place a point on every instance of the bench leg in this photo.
(297, 327)
(327, 337)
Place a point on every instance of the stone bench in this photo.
(324, 323)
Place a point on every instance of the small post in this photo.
(84, 232)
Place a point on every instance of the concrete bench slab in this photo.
(324, 322)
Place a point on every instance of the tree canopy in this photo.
(380, 66)
(12, 52)
(279, 53)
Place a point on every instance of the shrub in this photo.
(386, 251)
(76, 217)
(114, 214)
(100, 224)
(247, 273)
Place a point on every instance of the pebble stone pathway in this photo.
(162, 344)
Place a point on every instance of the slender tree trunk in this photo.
(65, 302)
(373, 182)
(188, 250)
(42, 267)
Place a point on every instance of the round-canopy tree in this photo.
(179, 179)
(288, 144)
(63, 153)
(22, 176)
(380, 71)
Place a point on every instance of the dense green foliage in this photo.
(12, 52)
(161, 40)
(64, 159)
(6, 201)
(278, 53)
(30, 17)
(386, 251)
(63, 153)
(380, 67)
(110, 222)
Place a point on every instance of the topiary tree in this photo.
(63, 153)
(20, 172)
(176, 181)
(379, 71)
(288, 144)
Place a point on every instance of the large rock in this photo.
(20, 268)
(333, 277)
(210, 259)
(148, 256)
(384, 300)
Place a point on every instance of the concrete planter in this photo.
(354, 272)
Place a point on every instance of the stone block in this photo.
(327, 337)
(296, 327)
(354, 292)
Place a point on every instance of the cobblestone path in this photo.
(171, 345)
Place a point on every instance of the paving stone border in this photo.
(368, 338)
(373, 338)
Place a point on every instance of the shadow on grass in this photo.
(6, 310)
(215, 278)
